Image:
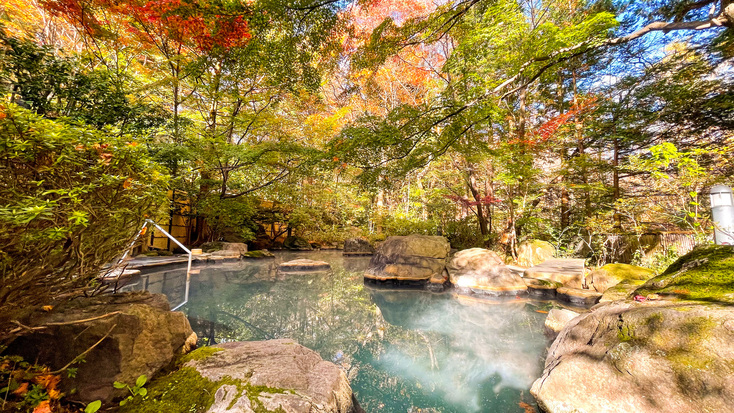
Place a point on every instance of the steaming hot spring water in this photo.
(404, 350)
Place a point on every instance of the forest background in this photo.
(486, 121)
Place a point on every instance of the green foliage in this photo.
(229, 218)
(135, 391)
(93, 407)
(24, 385)
(73, 198)
(54, 85)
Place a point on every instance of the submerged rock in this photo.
(642, 357)
(358, 246)
(409, 258)
(534, 252)
(601, 279)
(482, 271)
(142, 337)
(303, 265)
(254, 376)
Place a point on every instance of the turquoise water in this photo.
(403, 350)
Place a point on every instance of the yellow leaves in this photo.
(128, 183)
(47, 308)
(48, 381)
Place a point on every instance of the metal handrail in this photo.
(172, 238)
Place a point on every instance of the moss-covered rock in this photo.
(534, 252)
(212, 246)
(603, 278)
(297, 244)
(642, 357)
(257, 254)
(250, 377)
(620, 291)
(706, 274)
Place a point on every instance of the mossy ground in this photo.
(704, 274)
(185, 391)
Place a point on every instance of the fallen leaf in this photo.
(47, 307)
(541, 311)
(21, 390)
(43, 407)
(528, 408)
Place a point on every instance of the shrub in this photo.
(71, 198)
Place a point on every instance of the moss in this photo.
(626, 272)
(705, 274)
(184, 390)
(692, 354)
(258, 254)
(199, 354)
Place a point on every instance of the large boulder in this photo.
(129, 335)
(409, 258)
(297, 244)
(603, 278)
(642, 357)
(358, 246)
(534, 252)
(482, 271)
(247, 377)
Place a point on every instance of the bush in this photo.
(71, 198)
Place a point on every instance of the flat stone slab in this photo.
(303, 265)
(577, 296)
(567, 271)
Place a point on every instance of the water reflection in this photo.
(403, 351)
